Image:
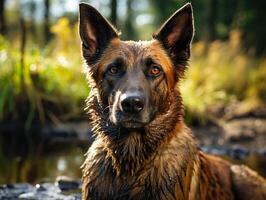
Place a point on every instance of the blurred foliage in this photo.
(223, 74)
(50, 85)
(46, 82)
(216, 19)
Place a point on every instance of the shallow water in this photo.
(67, 162)
(42, 168)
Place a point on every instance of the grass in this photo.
(51, 86)
(221, 74)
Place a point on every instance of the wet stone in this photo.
(12, 191)
(40, 191)
(65, 183)
(39, 188)
(238, 153)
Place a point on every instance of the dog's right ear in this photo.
(95, 32)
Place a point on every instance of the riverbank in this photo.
(57, 149)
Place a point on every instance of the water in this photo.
(66, 162)
(42, 168)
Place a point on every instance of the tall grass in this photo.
(221, 73)
(51, 85)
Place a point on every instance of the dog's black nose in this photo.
(132, 104)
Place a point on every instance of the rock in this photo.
(238, 153)
(66, 183)
(48, 195)
(40, 188)
(214, 150)
(238, 131)
(40, 191)
(12, 191)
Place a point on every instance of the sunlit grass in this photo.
(51, 84)
(222, 73)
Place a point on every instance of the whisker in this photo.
(107, 107)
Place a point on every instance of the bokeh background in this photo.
(43, 128)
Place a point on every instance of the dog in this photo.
(142, 147)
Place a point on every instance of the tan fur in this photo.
(200, 176)
(194, 174)
(160, 160)
(124, 49)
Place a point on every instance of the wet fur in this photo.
(161, 160)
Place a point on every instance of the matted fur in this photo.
(159, 160)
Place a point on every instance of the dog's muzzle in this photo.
(129, 110)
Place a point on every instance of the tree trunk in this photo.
(114, 12)
(32, 9)
(129, 28)
(2, 17)
(211, 18)
(47, 34)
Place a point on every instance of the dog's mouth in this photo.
(132, 124)
(129, 120)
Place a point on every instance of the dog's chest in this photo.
(145, 185)
(159, 179)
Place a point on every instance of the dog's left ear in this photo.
(176, 34)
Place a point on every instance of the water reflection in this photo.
(67, 162)
(42, 168)
(61, 164)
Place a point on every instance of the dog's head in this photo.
(135, 79)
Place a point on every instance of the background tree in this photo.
(163, 9)
(129, 30)
(32, 9)
(226, 18)
(113, 15)
(210, 22)
(2, 17)
(252, 22)
(47, 33)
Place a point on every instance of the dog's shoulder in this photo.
(247, 184)
(214, 178)
(94, 169)
(229, 181)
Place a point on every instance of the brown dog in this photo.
(142, 148)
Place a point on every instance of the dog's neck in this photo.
(130, 150)
(132, 160)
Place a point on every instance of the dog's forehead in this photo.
(138, 47)
(133, 51)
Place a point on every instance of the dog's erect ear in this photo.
(176, 34)
(95, 32)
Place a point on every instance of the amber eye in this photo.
(155, 70)
(113, 70)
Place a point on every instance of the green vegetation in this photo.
(49, 84)
(41, 79)
(52, 86)
(221, 74)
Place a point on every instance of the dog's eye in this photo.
(113, 70)
(155, 70)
